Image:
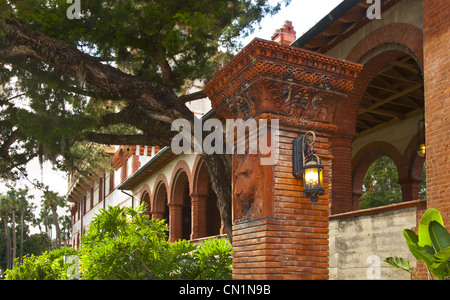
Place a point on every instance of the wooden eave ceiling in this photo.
(339, 27)
(396, 93)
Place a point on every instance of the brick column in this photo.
(341, 190)
(277, 233)
(175, 221)
(437, 101)
(199, 216)
(159, 215)
(410, 188)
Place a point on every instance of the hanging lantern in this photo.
(421, 151)
(307, 165)
(421, 148)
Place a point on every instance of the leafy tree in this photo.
(62, 82)
(36, 244)
(380, 186)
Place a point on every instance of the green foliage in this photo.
(400, 263)
(171, 42)
(380, 186)
(51, 265)
(123, 243)
(431, 245)
(214, 260)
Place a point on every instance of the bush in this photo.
(123, 243)
(53, 265)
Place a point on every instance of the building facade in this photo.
(368, 86)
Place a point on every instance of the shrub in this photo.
(53, 265)
(123, 243)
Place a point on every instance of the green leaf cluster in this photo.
(51, 265)
(431, 245)
(171, 42)
(124, 244)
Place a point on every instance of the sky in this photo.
(303, 13)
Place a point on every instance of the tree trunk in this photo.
(220, 170)
(14, 245)
(57, 229)
(21, 236)
(7, 241)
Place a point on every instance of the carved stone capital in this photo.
(266, 77)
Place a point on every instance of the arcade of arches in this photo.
(187, 203)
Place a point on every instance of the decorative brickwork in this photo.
(277, 233)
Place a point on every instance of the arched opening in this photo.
(394, 94)
(187, 214)
(390, 113)
(161, 208)
(145, 200)
(380, 186)
(213, 213)
(207, 217)
(181, 207)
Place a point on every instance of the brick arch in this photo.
(199, 176)
(404, 34)
(161, 190)
(367, 156)
(376, 50)
(145, 190)
(180, 167)
(206, 215)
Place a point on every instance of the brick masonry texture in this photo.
(437, 103)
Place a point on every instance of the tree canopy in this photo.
(118, 74)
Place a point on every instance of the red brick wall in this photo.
(293, 244)
(437, 103)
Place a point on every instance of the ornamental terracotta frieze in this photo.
(269, 78)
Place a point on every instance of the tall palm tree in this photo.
(66, 229)
(23, 205)
(4, 211)
(12, 200)
(53, 200)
